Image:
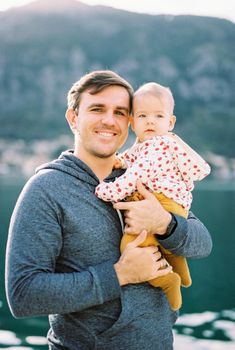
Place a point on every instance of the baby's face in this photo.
(151, 116)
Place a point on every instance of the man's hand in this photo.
(147, 214)
(138, 265)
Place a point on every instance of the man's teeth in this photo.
(106, 134)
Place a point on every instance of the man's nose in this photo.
(108, 118)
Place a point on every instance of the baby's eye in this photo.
(160, 116)
(141, 116)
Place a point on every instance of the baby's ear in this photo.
(172, 122)
(131, 121)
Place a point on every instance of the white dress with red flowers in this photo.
(164, 164)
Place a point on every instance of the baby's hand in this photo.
(119, 163)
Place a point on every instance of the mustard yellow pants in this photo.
(180, 274)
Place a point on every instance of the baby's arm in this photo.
(125, 185)
(119, 163)
(125, 159)
(128, 157)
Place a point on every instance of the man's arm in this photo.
(33, 285)
(190, 237)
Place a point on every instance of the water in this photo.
(208, 314)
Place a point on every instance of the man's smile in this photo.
(106, 133)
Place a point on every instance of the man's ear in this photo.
(71, 118)
(172, 122)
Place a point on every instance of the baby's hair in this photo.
(157, 90)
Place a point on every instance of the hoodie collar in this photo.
(72, 165)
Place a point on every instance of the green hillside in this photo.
(44, 50)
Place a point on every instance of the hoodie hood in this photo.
(70, 164)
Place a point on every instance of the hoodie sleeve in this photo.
(33, 286)
(190, 238)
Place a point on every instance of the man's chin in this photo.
(104, 155)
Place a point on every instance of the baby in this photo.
(167, 166)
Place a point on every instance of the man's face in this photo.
(102, 122)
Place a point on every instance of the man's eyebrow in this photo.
(96, 105)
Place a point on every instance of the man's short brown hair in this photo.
(95, 82)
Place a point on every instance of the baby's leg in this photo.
(127, 238)
(179, 263)
(172, 281)
(170, 285)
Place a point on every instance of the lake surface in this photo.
(207, 318)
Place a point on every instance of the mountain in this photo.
(47, 45)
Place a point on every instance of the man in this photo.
(63, 256)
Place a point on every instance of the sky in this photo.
(214, 8)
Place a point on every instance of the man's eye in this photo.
(96, 109)
(120, 113)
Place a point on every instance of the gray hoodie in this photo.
(63, 242)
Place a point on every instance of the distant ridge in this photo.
(55, 6)
(61, 6)
(48, 44)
